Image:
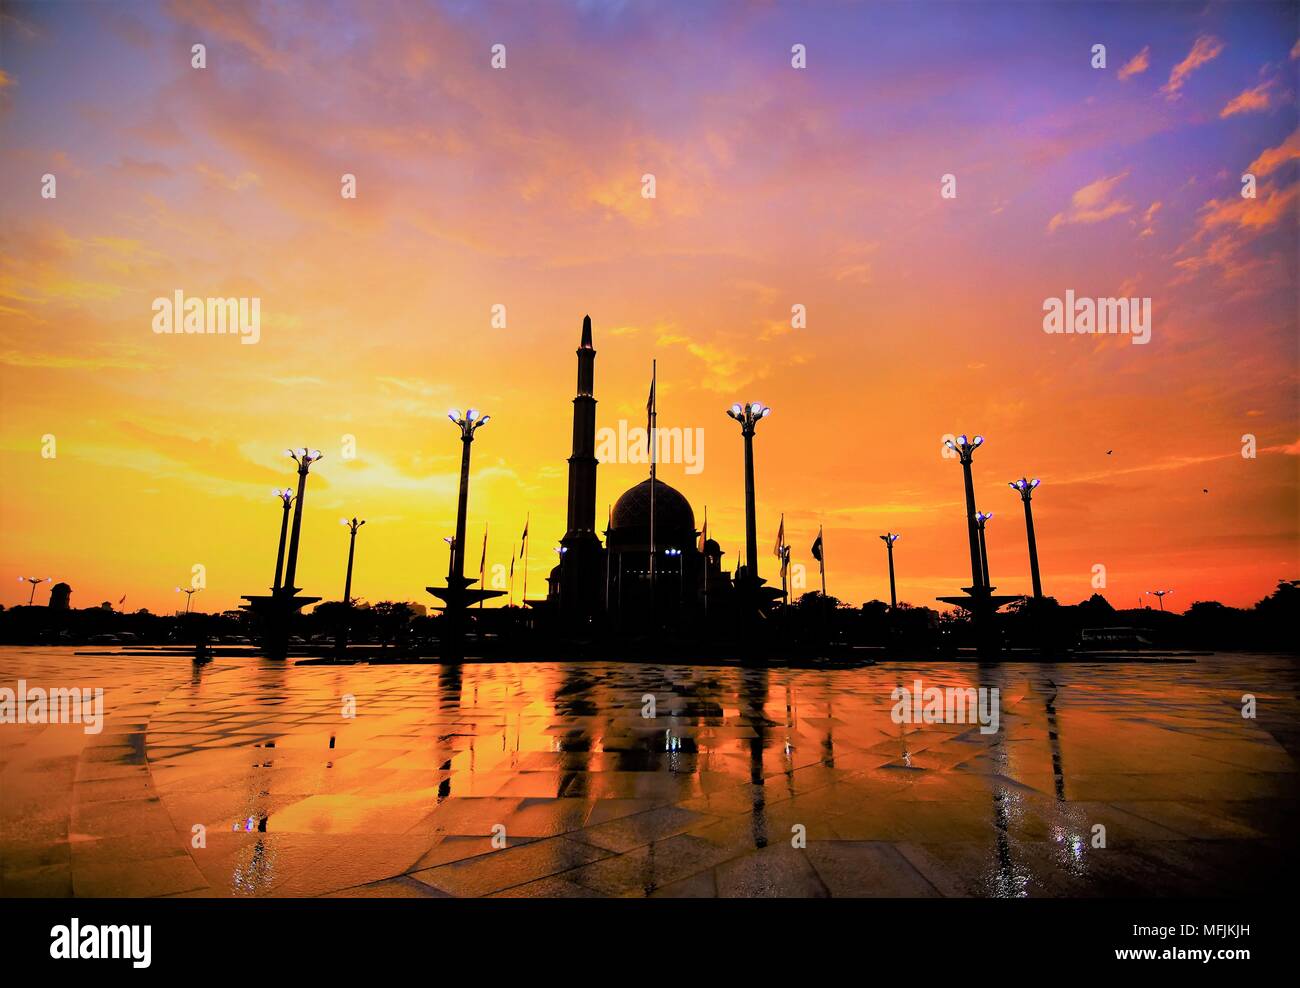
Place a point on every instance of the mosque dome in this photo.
(674, 519)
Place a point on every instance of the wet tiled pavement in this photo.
(532, 779)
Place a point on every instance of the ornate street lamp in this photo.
(457, 595)
(286, 497)
(965, 449)
(451, 554)
(189, 594)
(304, 458)
(1026, 488)
(1160, 596)
(469, 423)
(33, 580)
(352, 525)
(980, 519)
(889, 538)
(749, 415)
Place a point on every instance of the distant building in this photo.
(60, 595)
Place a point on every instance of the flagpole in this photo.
(822, 564)
(704, 551)
(524, 599)
(482, 565)
(654, 418)
(512, 577)
(780, 555)
(609, 521)
(822, 561)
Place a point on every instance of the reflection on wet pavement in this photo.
(532, 779)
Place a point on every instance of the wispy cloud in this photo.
(1206, 49)
(1136, 65)
(1251, 100)
(1093, 203)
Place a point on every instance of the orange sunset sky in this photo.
(775, 187)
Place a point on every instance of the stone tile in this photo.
(859, 869)
(484, 874)
(161, 876)
(1194, 801)
(632, 831)
(776, 871)
(646, 869)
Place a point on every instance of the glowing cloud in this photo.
(1136, 65)
(1092, 204)
(1206, 49)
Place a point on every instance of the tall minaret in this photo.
(582, 464)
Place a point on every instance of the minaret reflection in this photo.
(451, 678)
(753, 700)
(574, 699)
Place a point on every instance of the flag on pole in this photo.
(482, 567)
(650, 416)
(817, 547)
(785, 560)
(523, 539)
(653, 444)
(704, 532)
(777, 550)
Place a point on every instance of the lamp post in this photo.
(286, 496)
(189, 594)
(1160, 596)
(352, 525)
(304, 458)
(451, 554)
(681, 580)
(889, 538)
(965, 449)
(980, 519)
(33, 580)
(469, 423)
(1026, 488)
(749, 415)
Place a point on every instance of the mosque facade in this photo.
(604, 578)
